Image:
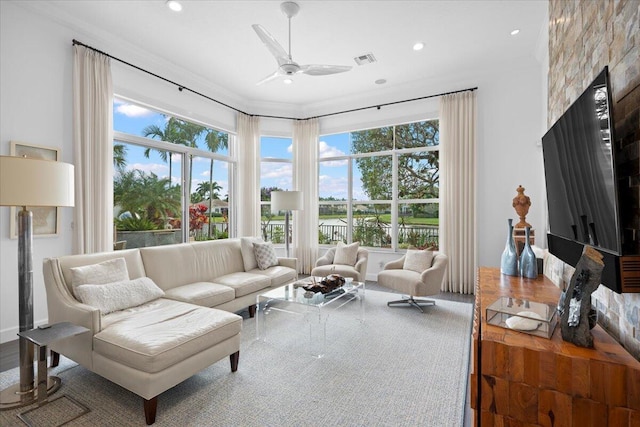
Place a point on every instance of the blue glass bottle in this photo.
(509, 261)
(528, 261)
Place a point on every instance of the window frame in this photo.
(395, 202)
(187, 152)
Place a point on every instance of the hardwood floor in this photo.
(9, 355)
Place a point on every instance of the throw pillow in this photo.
(417, 261)
(116, 296)
(248, 254)
(346, 254)
(113, 270)
(265, 255)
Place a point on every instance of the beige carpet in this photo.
(398, 368)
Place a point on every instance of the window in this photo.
(276, 174)
(154, 154)
(381, 186)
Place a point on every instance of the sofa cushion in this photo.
(119, 295)
(244, 283)
(278, 275)
(265, 255)
(110, 271)
(417, 260)
(248, 253)
(206, 294)
(159, 334)
(346, 254)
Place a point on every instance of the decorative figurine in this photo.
(521, 203)
(576, 313)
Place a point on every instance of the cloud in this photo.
(326, 150)
(338, 187)
(131, 110)
(276, 170)
(160, 170)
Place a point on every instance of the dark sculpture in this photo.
(326, 285)
(576, 303)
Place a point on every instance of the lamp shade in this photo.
(286, 201)
(35, 182)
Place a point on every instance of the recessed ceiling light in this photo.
(380, 81)
(174, 5)
(287, 81)
(514, 32)
(418, 46)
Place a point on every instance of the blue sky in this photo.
(333, 175)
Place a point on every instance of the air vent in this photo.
(367, 58)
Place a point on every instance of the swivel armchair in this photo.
(421, 274)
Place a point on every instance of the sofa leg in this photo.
(55, 358)
(234, 358)
(252, 311)
(150, 407)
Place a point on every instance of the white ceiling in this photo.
(214, 43)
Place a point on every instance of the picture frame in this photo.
(46, 219)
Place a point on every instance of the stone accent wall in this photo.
(584, 37)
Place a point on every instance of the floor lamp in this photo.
(30, 182)
(286, 201)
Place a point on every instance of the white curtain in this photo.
(458, 123)
(305, 179)
(248, 201)
(93, 151)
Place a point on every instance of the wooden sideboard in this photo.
(517, 379)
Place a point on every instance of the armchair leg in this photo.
(417, 303)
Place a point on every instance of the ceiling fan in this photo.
(286, 65)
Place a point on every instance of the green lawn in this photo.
(384, 218)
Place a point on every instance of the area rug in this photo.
(399, 367)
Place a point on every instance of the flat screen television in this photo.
(580, 175)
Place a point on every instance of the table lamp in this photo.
(286, 201)
(30, 182)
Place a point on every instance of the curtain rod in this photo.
(182, 88)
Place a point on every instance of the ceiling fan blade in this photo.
(323, 70)
(270, 77)
(274, 47)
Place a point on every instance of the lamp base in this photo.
(11, 397)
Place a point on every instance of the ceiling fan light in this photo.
(418, 46)
(514, 32)
(174, 5)
(287, 81)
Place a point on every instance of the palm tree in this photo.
(171, 133)
(215, 141)
(119, 156)
(146, 196)
(206, 190)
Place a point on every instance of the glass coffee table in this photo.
(314, 307)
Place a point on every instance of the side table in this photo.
(41, 337)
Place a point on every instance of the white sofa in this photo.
(150, 348)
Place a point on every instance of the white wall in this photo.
(36, 107)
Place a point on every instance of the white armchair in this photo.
(325, 265)
(417, 277)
